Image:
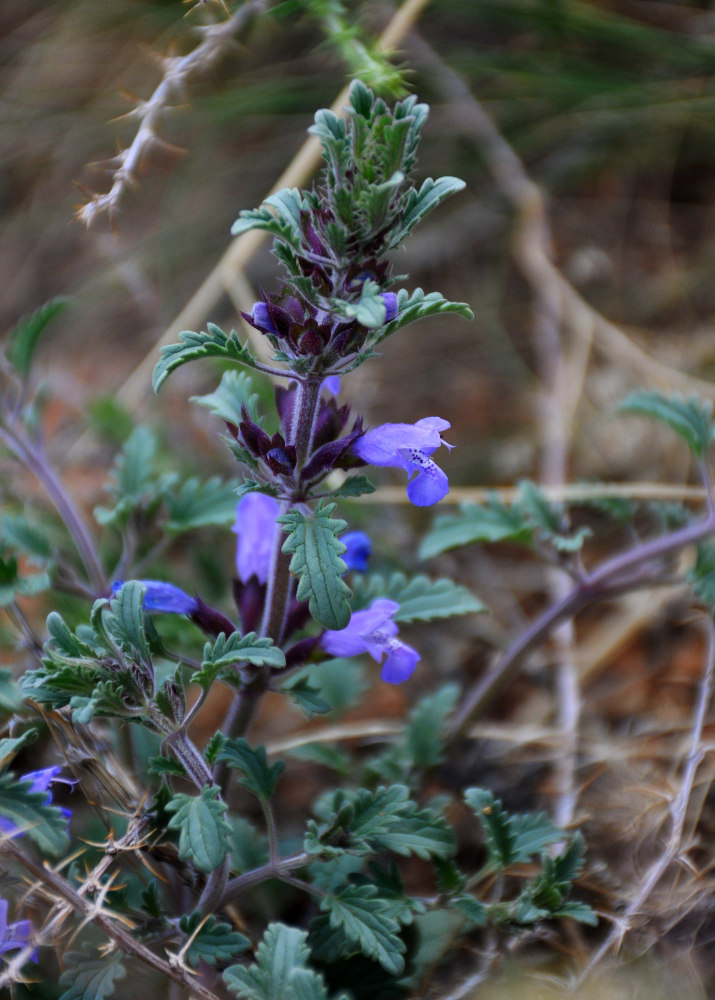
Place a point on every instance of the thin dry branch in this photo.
(178, 73)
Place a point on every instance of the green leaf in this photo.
(419, 203)
(234, 391)
(249, 847)
(223, 654)
(702, 575)
(124, 621)
(427, 726)
(11, 700)
(420, 598)
(354, 486)
(325, 754)
(510, 839)
(166, 765)
(366, 920)
(306, 695)
(471, 908)
(547, 519)
(369, 310)
(258, 776)
(9, 746)
(365, 822)
(28, 537)
(691, 419)
(417, 305)
(23, 339)
(203, 830)
(280, 971)
(30, 813)
(316, 551)
(475, 523)
(89, 975)
(215, 942)
(213, 344)
(197, 503)
(577, 911)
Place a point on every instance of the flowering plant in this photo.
(221, 892)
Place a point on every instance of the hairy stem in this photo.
(32, 457)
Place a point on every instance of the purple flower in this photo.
(15, 935)
(255, 526)
(390, 300)
(359, 549)
(40, 782)
(373, 631)
(165, 597)
(332, 384)
(408, 446)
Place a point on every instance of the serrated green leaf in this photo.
(369, 310)
(547, 519)
(419, 203)
(124, 621)
(249, 847)
(9, 746)
(279, 970)
(471, 908)
(234, 391)
(258, 776)
(427, 726)
(475, 523)
(420, 598)
(30, 812)
(212, 344)
(325, 754)
(316, 551)
(91, 976)
(418, 305)
(215, 942)
(702, 575)
(306, 696)
(577, 911)
(690, 419)
(22, 341)
(510, 839)
(365, 919)
(64, 645)
(165, 765)
(223, 654)
(203, 830)
(198, 503)
(28, 537)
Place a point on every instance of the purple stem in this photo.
(36, 462)
(610, 577)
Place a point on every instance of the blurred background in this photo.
(609, 106)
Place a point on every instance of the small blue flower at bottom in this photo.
(373, 631)
(13, 936)
(163, 597)
(40, 781)
(408, 447)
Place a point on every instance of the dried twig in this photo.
(179, 72)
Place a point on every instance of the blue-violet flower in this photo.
(165, 597)
(40, 782)
(255, 526)
(408, 446)
(359, 548)
(373, 631)
(15, 935)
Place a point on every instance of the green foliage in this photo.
(215, 942)
(10, 746)
(213, 344)
(197, 503)
(223, 655)
(280, 971)
(234, 391)
(412, 306)
(545, 897)
(690, 419)
(90, 975)
(354, 486)
(427, 726)
(249, 847)
(11, 700)
(306, 695)
(420, 599)
(25, 336)
(364, 822)
(510, 838)
(368, 924)
(22, 534)
(494, 522)
(30, 813)
(258, 776)
(316, 552)
(136, 483)
(203, 829)
(547, 519)
(124, 622)
(13, 584)
(369, 310)
(702, 575)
